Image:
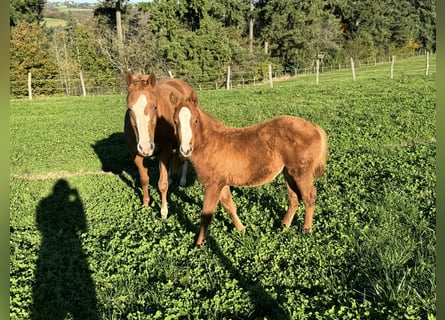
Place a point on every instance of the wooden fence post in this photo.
(270, 76)
(84, 92)
(353, 69)
(317, 70)
(427, 69)
(228, 78)
(29, 86)
(393, 58)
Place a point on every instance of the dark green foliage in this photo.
(25, 11)
(371, 254)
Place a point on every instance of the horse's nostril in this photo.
(187, 152)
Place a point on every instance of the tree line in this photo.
(198, 39)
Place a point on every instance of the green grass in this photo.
(83, 246)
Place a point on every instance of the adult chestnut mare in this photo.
(224, 156)
(148, 127)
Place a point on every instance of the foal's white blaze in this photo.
(186, 131)
(145, 142)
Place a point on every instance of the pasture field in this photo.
(83, 247)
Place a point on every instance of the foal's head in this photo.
(142, 103)
(186, 122)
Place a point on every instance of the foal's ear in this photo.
(193, 98)
(129, 77)
(151, 81)
(174, 99)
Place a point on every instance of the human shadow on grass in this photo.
(265, 305)
(63, 286)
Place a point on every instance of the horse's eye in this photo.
(156, 107)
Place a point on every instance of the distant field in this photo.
(55, 14)
(52, 23)
(82, 244)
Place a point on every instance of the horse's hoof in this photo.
(164, 213)
(182, 182)
(307, 230)
(198, 245)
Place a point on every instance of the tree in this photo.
(28, 51)
(426, 12)
(297, 30)
(25, 10)
(74, 51)
(109, 13)
(139, 49)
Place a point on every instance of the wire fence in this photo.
(86, 84)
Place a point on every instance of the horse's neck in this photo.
(212, 124)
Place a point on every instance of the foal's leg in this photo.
(143, 175)
(230, 207)
(211, 198)
(164, 163)
(183, 180)
(308, 193)
(294, 202)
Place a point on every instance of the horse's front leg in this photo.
(211, 198)
(164, 163)
(143, 175)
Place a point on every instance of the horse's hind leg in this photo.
(304, 186)
(143, 175)
(294, 202)
(308, 195)
(230, 207)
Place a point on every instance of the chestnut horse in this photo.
(224, 156)
(148, 127)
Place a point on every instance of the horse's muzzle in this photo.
(147, 150)
(187, 152)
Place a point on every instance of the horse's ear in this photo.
(129, 78)
(173, 99)
(193, 98)
(151, 79)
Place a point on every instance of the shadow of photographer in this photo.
(63, 281)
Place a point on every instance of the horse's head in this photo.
(186, 120)
(142, 104)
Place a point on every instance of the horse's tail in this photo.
(321, 164)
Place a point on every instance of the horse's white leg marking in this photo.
(164, 211)
(145, 143)
(183, 180)
(186, 131)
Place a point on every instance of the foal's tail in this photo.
(321, 165)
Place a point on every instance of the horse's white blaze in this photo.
(186, 130)
(142, 120)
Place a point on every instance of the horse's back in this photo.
(176, 85)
